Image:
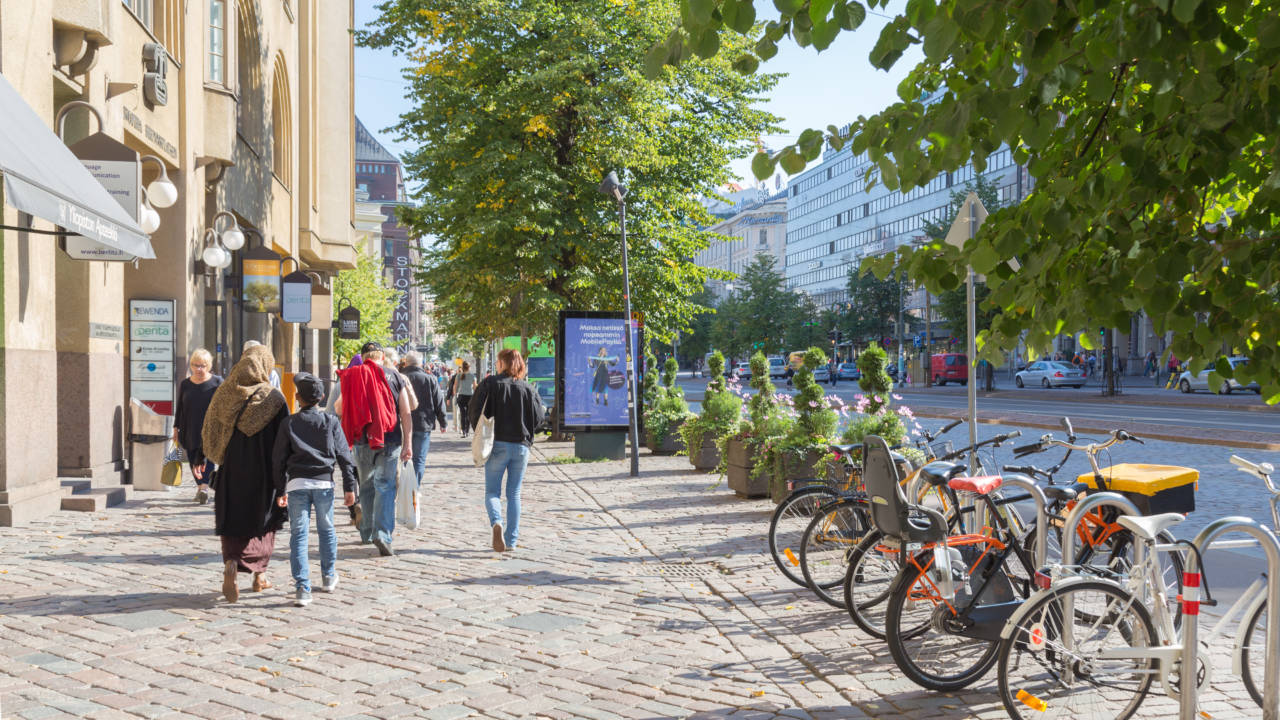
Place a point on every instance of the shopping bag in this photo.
(407, 511)
(171, 473)
(482, 437)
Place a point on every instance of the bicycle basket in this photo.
(942, 448)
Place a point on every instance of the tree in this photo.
(519, 108)
(757, 311)
(952, 304)
(874, 305)
(367, 290)
(808, 325)
(696, 342)
(1149, 127)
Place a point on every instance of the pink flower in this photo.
(813, 404)
(896, 396)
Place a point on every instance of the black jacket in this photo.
(430, 410)
(308, 444)
(513, 405)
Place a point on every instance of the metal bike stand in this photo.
(1041, 549)
(1191, 615)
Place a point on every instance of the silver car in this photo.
(1051, 374)
(1189, 381)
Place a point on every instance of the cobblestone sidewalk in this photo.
(629, 598)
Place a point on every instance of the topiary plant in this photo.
(649, 389)
(721, 409)
(878, 418)
(815, 421)
(669, 410)
(766, 422)
(875, 380)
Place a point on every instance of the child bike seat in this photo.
(890, 512)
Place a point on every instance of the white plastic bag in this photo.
(482, 437)
(408, 514)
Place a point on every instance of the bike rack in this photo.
(1077, 514)
(1041, 548)
(1191, 615)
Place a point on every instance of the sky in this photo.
(828, 88)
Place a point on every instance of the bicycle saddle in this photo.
(845, 450)
(940, 472)
(1148, 527)
(1063, 493)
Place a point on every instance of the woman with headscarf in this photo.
(239, 434)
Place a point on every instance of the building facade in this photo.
(234, 100)
(754, 223)
(380, 180)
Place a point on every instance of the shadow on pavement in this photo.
(110, 604)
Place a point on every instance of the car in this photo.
(1189, 382)
(821, 374)
(742, 371)
(1051, 374)
(777, 366)
(848, 371)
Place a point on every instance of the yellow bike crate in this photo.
(1154, 489)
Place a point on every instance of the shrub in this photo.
(721, 409)
(670, 408)
(815, 421)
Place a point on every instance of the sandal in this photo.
(260, 582)
(229, 589)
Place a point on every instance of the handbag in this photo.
(408, 513)
(482, 436)
(171, 473)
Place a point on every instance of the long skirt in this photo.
(250, 553)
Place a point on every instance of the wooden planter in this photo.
(813, 465)
(706, 457)
(671, 444)
(740, 465)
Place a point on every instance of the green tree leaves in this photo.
(366, 288)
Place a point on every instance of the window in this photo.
(281, 126)
(143, 10)
(764, 237)
(218, 41)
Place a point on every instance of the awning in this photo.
(43, 178)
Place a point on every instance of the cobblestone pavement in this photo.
(629, 598)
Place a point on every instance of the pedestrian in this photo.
(1150, 369)
(1093, 364)
(1173, 363)
(464, 386)
(309, 444)
(275, 373)
(832, 370)
(194, 395)
(428, 414)
(375, 416)
(239, 435)
(516, 411)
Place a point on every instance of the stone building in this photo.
(246, 106)
(754, 223)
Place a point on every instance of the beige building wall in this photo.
(751, 228)
(287, 89)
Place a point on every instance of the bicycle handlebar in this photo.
(1261, 471)
(1031, 449)
(950, 426)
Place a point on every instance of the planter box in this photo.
(812, 465)
(671, 444)
(706, 457)
(739, 455)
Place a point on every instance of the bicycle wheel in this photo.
(827, 544)
(868, 580)
(1049, 666)
(1254, 653)
(787, 526)
(1171, 567)
(919, 622)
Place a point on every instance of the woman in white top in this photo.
(464, 385)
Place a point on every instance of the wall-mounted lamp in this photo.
(214, 255)
(232, 237)
(162, 192)
(148, 218)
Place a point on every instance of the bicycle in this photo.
(1114, 643)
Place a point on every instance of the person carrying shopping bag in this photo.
(193, 398)
(516, 411)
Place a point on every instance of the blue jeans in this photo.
(511, 458)
(377, 470)
(421, 445)
(300, 504)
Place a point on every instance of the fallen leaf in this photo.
(333, 704)
(789, 607)
(295, 659)
(757, 693)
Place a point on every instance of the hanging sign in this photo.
(152, 327)
(349, 323)
(114, 165)
(321, 308)
(261, 281)
(295, 298)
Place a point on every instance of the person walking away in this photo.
(352, 510)
(833, 369)
(464, 387)
(374, 415)
(516, 411)
(309, 444)
(194, 395)
(239, 435)
(427, 415)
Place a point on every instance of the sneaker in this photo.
(498, 543)
(302, 598)
(330, 584)
(383, 548)
(202, 496)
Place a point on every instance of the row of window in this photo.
(825, 174)
(866, 237)
(825, 274)
(371, 169)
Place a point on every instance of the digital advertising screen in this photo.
(592, 355)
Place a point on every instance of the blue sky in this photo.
(829, 88)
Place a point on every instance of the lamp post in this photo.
(613, 188)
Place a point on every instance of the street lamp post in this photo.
(616, 190)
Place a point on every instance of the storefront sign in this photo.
(402, 283)
(349, 324)
(295, 293)
(152, 327)
(148, 133)
(103, 331)
(321, 308)
(115, 166)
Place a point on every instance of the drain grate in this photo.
(687, 570)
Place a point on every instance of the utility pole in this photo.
(901, 374)
(928, 339)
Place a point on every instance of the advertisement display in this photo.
(152, 330)
(591, 370)
(261, 285)
(295, 291)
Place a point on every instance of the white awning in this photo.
(42, 177)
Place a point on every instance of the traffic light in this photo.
(831, 335)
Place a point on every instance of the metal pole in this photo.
(901, 374)
(972, 350)
(631, 375)
(928, 340)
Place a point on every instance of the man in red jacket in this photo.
(375, 415)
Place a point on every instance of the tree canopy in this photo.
(520, 107)
(366, 288)
(874, 304)
(1149, 126)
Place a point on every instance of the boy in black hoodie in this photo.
(310, 443)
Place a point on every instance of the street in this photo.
(650, 597)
